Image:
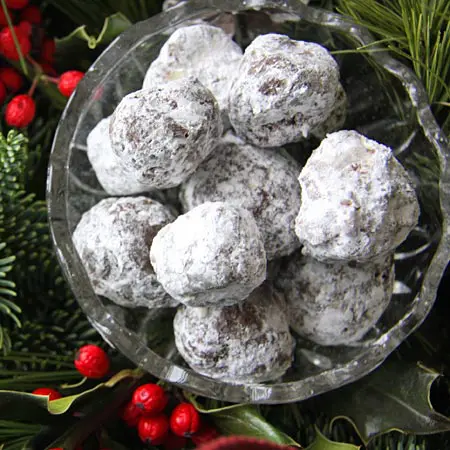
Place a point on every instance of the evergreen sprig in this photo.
(52, 322)
(417, 31)
(8, 309)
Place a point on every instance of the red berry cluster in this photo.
(157, 422)
(147, 411)
(26, 30)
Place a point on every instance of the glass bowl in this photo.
(386, 103)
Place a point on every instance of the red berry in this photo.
(7, 45)
(3, 20)
(185, 420)
(206, 434)
(31, 14)
(11, 79)
(25, 27)
(92, 361)
(150, 398)
(51, 393)
(20, 111)
(16, 4)
(131, 414)
(174, 442)
(2, 92)
(48, 50)
(153, 430)
(69, 81)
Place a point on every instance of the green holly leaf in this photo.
(63, 405)
(83, 47)
(242, 420)
(97, 413)
(112, 27)
(21, 406)
(394, 397)
(322, 443)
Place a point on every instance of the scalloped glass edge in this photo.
(128, 342)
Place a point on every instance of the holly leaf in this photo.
(112, 27)
(242, 420)
(245, 420)
(97, 414)
(322, 443)
(396, 397)
(23, 406)
(84, 47)
(63, 405)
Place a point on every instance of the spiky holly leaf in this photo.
(394, 397)
(243, 420)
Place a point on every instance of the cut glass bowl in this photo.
(386, 103)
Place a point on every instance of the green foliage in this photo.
(417, 31)
(323, 443)
(394, 397)
(27, 417)
(52, 320)
(8, 309)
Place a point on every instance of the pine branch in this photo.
(8, 309)
(417, 31)
(52, 320)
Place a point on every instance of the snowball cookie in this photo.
(113, 240)
(163, 133)
(283, 90)
(357, 200)
(264, 181)
(245, 343)
(111, 173)
(213, 255)
(202, 51)
(335, 304)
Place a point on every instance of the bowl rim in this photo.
(101, 318)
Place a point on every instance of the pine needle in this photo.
(414, 30)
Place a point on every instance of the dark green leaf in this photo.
(394, 397)
(97, 413)
(112, 27)
(322, 443)
(62, 405)
(245, 420)
(22, 406)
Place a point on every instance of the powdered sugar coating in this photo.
(202, 51)
(357, 200)
(214, 254)
(245, 343)
(110, 171)
(113, 240)
(283, 90)
(185, 123)
(335, 304)
(264, 181)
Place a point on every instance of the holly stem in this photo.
(33, 85)
(54, 80)
(36, 65)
